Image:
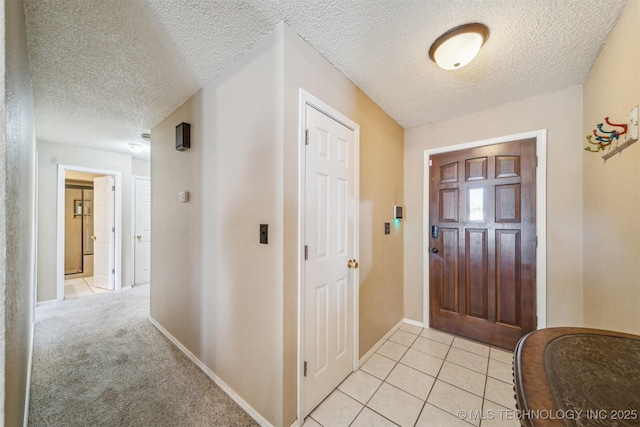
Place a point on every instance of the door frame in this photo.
(541, 216)
(62, 169)
(305, 98)
(134, 196)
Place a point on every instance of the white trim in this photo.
(415, 323)
(60, 225)
(382, 340)
(541, 216)
(134, 178)
(204, 368)
(305, 98)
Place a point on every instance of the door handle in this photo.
(139, 237)
(352, 263)
(94, 237)
(434, 250)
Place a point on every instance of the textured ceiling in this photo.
(104, 71)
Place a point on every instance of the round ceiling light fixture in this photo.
(136, 148)
(458, 46)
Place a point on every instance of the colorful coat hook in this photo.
(606, 137)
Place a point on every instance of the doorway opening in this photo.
(79, 208)
(540, 138)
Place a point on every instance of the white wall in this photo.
(17, 216)
(561, 114)
(50, 155)
(140, 167)
(215, 287)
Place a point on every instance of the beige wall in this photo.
(50, 155)
(215, 288)
(381, 186)
(561, 114)
(612, 188)
(16, 216)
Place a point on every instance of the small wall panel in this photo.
(449, 205)
(508, 249)
(508, 203)
(476, 268)
(341, 210)
(450, 273)
(507, 166)
(449, 173)
(341, 317)
(323, 144)
(322, 328)
(322, 216)
(342, 152)
(476, 169)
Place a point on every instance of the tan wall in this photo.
(381, 186)
(215, 287)
(17, 157)
(612, 188)
(561, 114)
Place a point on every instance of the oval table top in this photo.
(577, 377)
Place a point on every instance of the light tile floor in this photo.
(80, 286)
(424, 377)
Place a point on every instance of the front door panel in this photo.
(482, 259)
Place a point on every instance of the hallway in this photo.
(99, 361)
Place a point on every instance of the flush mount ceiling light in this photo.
(136, 148)
(458, 46)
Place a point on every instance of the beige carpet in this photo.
(98, 361)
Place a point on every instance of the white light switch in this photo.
(183, 196)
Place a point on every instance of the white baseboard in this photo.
(414, 323)
(27, 396)
(232, 394)
(377, 345)
(39, 303)
(375, 348)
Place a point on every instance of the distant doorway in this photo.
(88, 231)
(142, 230)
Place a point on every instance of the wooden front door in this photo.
(482, 242)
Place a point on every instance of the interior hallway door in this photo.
(482, 242)
(330, 264)
(104, 232)
(142, 252)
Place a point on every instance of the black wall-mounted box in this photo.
(183, 136)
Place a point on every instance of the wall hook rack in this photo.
(604, 138)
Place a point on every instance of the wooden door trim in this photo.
(541, 216)
(305, 98)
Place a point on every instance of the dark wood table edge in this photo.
(531, 384)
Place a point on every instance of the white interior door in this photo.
(103, 232)
(142, 252)
(330, 240)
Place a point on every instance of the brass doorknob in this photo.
(94, 237)
(352, 263)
